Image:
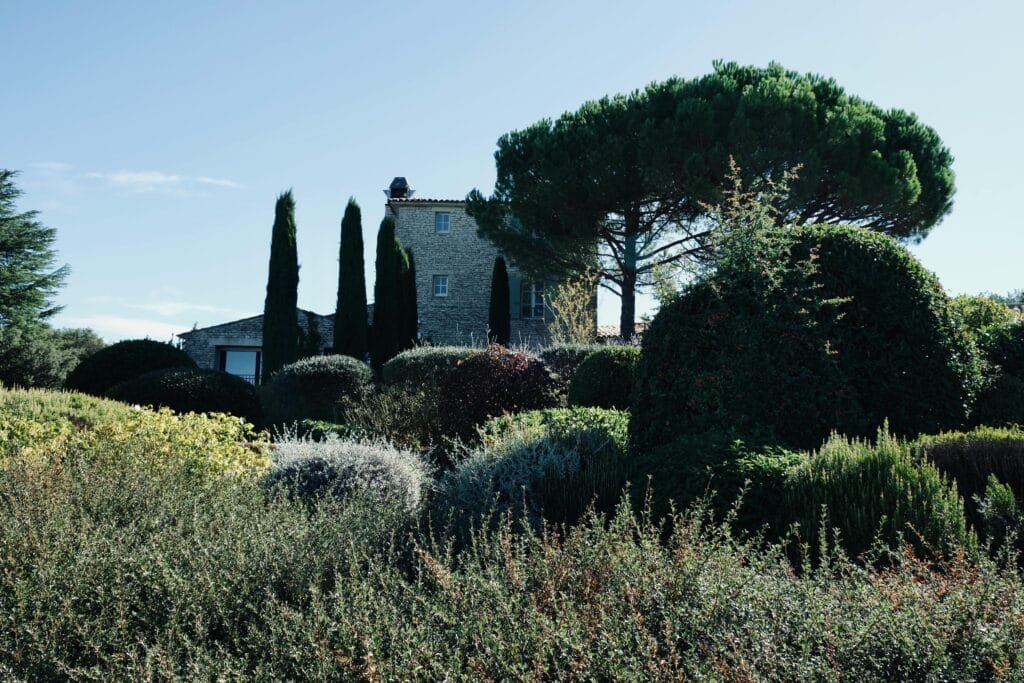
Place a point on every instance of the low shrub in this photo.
(311, 388)
(547, 464)
(424, 368)
(875, 491)
(340, 469)
(404, 415)
(185, 390)
(563, 359)
(123, 361)
(1001, 520)
(605, 378)
(971, 458)
(492, 382)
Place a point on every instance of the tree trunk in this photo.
(627, 314)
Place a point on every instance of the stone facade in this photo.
(207, 346)
(466, 260)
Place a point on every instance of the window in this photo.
(440, 285)
(241, 362)
(532, 297)
(442, 223)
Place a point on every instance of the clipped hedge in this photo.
(540, 465)
(492, 382)
(341, 469)
(563, 359)
(1001, 400)
(123, 361)
(309, 389)
(847, 331)
(185, 390)
(605, 378)
(970, 458)
(424, 367)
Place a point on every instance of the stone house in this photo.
(454, 266)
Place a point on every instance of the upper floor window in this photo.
(440, 285)
(532, 298)
(442, 223)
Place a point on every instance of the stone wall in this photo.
(468, 261)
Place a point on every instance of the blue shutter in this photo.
(515, 292)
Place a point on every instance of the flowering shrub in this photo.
(493, 382)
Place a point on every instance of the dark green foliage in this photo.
(1001, 398)
(405, 416)
(643, 168)
(28, 280)
(280, 311)
(409, 323)
(194, 390)
(312, 387)
(802, 332)
(490, 383)
(980, 314)
(970, 458)
(350, 324)
(563, 359)
(545, 464)
(424, 367)
(123, 361)
(1001, 520)
(310, 341)
(874, 491)
(499, 319)
(605, 378)
(385, 334)
(36, 355)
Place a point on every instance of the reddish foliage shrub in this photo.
(493, 382)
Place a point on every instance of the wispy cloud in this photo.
(158, 181)
(53, 166)
(175, 308)
(112, 327)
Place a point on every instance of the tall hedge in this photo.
(385, 334)
(499, 319)
(848, 331)
(409, 317)
(280, 312)
(350, 324)
(123, 361)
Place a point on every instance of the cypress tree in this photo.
(350, 326)
(498, 320)
(385, 333)
(280, 312)
(410, 321)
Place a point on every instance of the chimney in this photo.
(399, 189)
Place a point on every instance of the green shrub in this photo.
(404, 415)
(605, 378)
(311, 388)
(563, 359)
(185, 390)
(343, 469)
(123, 361)
(492, 382)
(868, 491)
(1001, 520)
(424, 368)
(1001, 398)
(545, 464)
(979, 314)
(971, 458)
(802, 332)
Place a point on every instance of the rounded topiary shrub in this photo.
(424, 367)
(309, 389)
(847, 331)
(191, 390)
(1001, 398)
(310, 470)
(563, 359)
(605, 378)
(123, 361)
(492, 382)
(545, 464)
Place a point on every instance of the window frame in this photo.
(447, 216)
(435, 289)
(531, 300)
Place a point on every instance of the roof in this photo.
(424, 200)
(185, 335)
(612, 331)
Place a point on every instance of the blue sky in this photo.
(156, 136)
